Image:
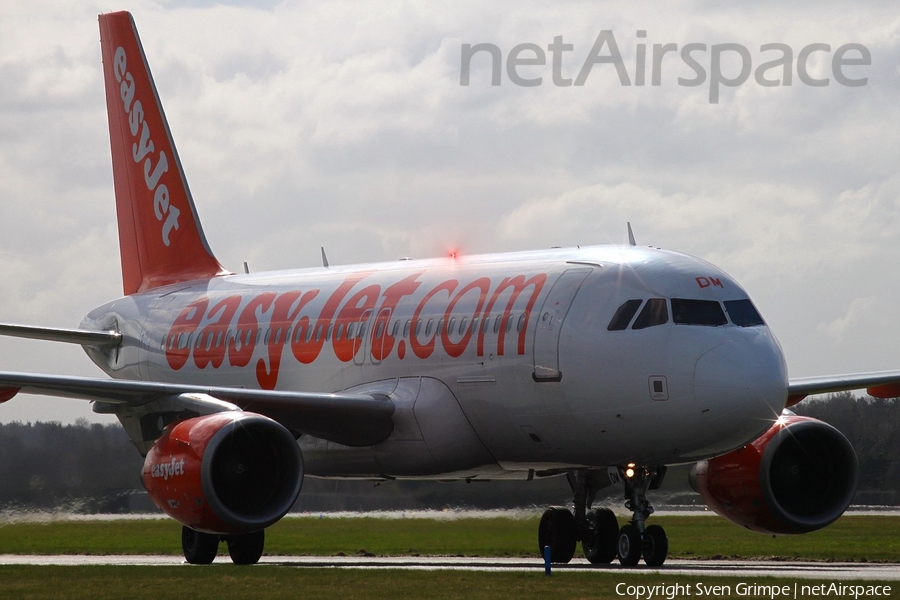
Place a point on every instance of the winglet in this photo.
(631, 235)
(160, 238)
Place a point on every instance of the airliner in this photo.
(603, 365)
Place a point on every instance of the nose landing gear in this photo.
(598, 530)
(636, 539)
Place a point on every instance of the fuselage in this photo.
(498, 363)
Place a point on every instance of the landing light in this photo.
(629, 472)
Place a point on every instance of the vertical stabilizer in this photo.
(160, 238)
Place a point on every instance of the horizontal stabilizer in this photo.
(70, 336)
(349, 419)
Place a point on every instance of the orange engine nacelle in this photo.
(229, 472)
(797, 477)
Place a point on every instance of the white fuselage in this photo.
(496, 364)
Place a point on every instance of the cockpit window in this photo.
(743, 313)
(653, 313)
(623, 315)
(697, 312)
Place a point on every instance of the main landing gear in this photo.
(201, 548)
(598, 530)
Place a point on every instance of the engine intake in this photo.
(229, 472)
(797, 477)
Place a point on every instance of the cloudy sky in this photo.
(345, 125)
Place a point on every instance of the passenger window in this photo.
(406, 329)
(653, 313)
(698, 312)
(428, 327)
(462, 325)
(624, 315)
(521, 322)
(497, 323)
(351, 331)
(396, 329)
(298, 333)
(743, 313)
(418, 328)
(451, 324)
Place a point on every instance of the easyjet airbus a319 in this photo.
(601, 364)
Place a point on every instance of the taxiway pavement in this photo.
(830, 571)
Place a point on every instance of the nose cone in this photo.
(740, 385)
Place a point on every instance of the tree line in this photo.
(94, 468)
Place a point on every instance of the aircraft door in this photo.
(380, 335)
(359, 343)
(153, 336)
(549, 323)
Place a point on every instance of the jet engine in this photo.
(229, 472)
(797, 477)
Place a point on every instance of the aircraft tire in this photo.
(199, 548)
(599, 546)
(246, 548)
(557, 530)
(656, 546)
(629, 545)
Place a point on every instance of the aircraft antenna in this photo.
(631, 235)
(324, 258)
(246, 267)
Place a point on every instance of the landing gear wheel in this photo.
(246, 548)
(656, 546)
(557, 530)
(629, 545)
(599, 545)
(199, 548)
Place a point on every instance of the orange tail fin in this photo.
(160, 237)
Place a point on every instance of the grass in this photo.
(851, 538)
(226, 581)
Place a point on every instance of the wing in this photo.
(350, 419)
(881, 384)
